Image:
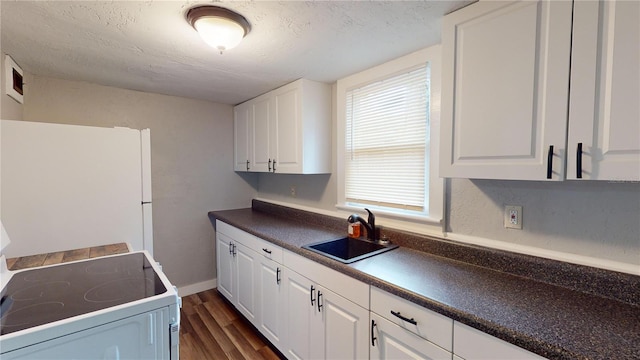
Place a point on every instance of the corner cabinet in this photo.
(511, 75)
(287, 130)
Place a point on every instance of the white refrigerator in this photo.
(69, 186)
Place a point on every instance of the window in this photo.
(386, 135)
(387, 151)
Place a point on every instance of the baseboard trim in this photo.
(197, 287)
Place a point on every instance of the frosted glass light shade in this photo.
(220, 28)
(219, 33)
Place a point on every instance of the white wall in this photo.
(191, 155)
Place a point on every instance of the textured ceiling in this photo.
(149, 46)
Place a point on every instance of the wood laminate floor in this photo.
(210, 328)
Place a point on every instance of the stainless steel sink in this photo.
(348, 250)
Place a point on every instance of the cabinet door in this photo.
(144, 336)
(393, 342)
(345, 328)
(272, 301)
(505, 90)
(225, 267)
(301, 299)
(261, 137)
(241, 131)
(286, 132)
(246, 264)
(604, 113)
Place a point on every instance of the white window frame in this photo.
(398, 219)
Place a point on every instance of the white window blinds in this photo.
(386, 142)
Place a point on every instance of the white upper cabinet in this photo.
(290, 130)
(505, 90)
(242, 115)
(511, 74)
(604, 107)
(261, 140)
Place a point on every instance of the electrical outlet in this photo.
(292, 190)
(513, 217)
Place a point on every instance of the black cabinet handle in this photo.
(269, 164)
(266, 250)
(230, 249)
(550, 162)
(319, 304)
(234, 250)
(373, 338)
(247, 165)
(311, 294)
(579, 161)
(278, 276)
(274, 165)
(397, 314)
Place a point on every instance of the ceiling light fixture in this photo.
(221, 28)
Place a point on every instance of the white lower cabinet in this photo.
(390, 341)
(272, 301)
(309, 311)
(322, 324)
(236, 274)
(246, 265)
(225, 266)
(301, 300)
(401, 329)
(472, 344)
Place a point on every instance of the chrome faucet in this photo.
(370, 225)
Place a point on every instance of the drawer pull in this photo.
(278, 276)
(319, 303)
(267, 251)
(397, 314)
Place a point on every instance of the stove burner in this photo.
(40, 290)
(35, 314)
(119, 289)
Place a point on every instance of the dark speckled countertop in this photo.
(558, 317)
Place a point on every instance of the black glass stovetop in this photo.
(40, 296)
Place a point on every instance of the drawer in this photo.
(428, 325)
(267, 249)
(354, 290)
(472, 344)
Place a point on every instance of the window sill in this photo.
(414, 223)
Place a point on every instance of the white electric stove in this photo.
(114, 307)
